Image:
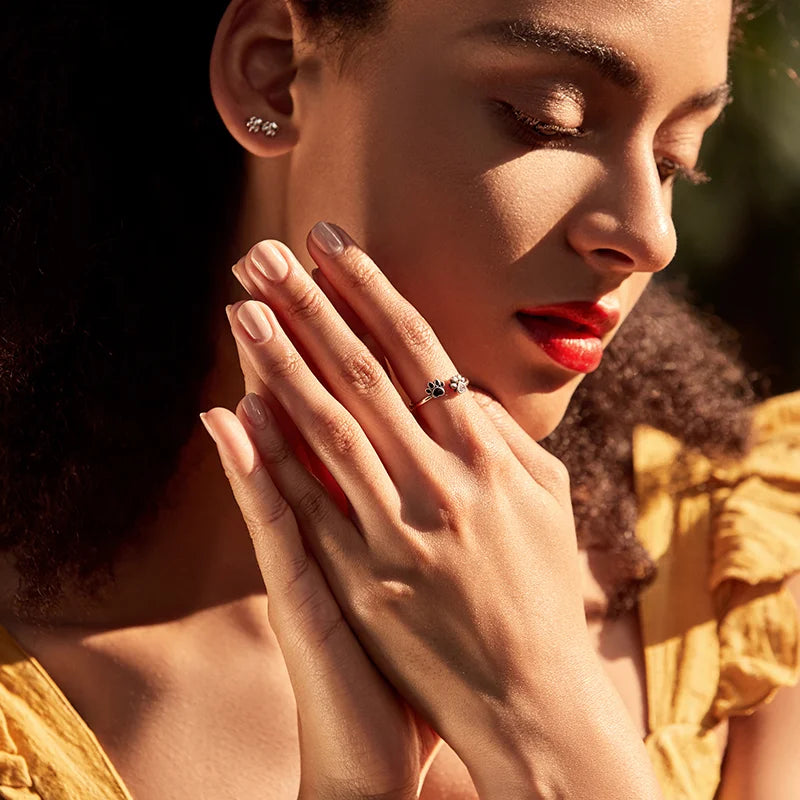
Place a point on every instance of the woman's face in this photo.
(498, 156)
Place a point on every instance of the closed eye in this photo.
(532, 131)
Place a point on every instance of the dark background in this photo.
(739, 235)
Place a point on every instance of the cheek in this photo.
(441, 182)
(634, 285)
(445, 226)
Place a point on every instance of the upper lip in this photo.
(599, 317)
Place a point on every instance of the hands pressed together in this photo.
(421, 567)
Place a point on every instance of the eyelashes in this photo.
(533, 131)
(537, 133)
(668, 168)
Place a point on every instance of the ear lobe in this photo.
(251, 71)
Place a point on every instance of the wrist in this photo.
(572, 738)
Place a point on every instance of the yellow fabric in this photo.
(720, 632)
(46, 750)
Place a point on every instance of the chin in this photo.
(540, 413)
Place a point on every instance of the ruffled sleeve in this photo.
(15, 779)
(756, 546)
(720, 632)
(46, 750)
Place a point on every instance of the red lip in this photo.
(571, 333)
(597, 318)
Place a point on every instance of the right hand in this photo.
(501, 665)
(358, 738)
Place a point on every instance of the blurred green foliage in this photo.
(739, 235)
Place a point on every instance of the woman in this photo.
(515, 158)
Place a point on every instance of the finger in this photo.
(241, 275)
(541, 465)
(328, 428)
(314, 638)
(269, 518)
(254, 385)
(348, 367)
(350, 317)
(333, 538)
(344, 310)
(272, 439)
(412, 348)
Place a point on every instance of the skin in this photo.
(405, 155)
(607, 243)
(516, 691)
(491, 222)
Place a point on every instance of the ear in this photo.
(252, 68)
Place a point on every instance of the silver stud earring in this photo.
(258, 125)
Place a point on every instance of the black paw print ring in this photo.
(436, 388)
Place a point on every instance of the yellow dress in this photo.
(47, 752)
(720, 633)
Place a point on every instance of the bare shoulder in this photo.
(761, 756)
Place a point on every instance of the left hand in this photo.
(458, 570)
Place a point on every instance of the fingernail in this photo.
(207, 426)
(228, 312)
(255, 321)
(327, 239)
(255, 411)
(269, 261)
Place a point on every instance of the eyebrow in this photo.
(721, 95)
(611, 62)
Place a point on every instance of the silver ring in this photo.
(436, 389)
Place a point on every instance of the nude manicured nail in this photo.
(269, 261)
(254, 410)
(255, 321)
(207, 426)
(327, 239)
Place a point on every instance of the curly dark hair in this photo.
(119, 184)
(670, 367)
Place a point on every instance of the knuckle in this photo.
(481, 455)
(312, 506)
(414, 332)
(361, 372)
(295, 571)
(445, 506)
(308, 305)
(336, 435)
(364, 605)
(362, 273)
(265, 509)
(558, 472)
(313, 620)
(275, 451)
(329, 629)
(286, 367)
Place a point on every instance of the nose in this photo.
(624, 224)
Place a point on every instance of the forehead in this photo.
(674, 45)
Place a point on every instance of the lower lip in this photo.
(577, 350)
